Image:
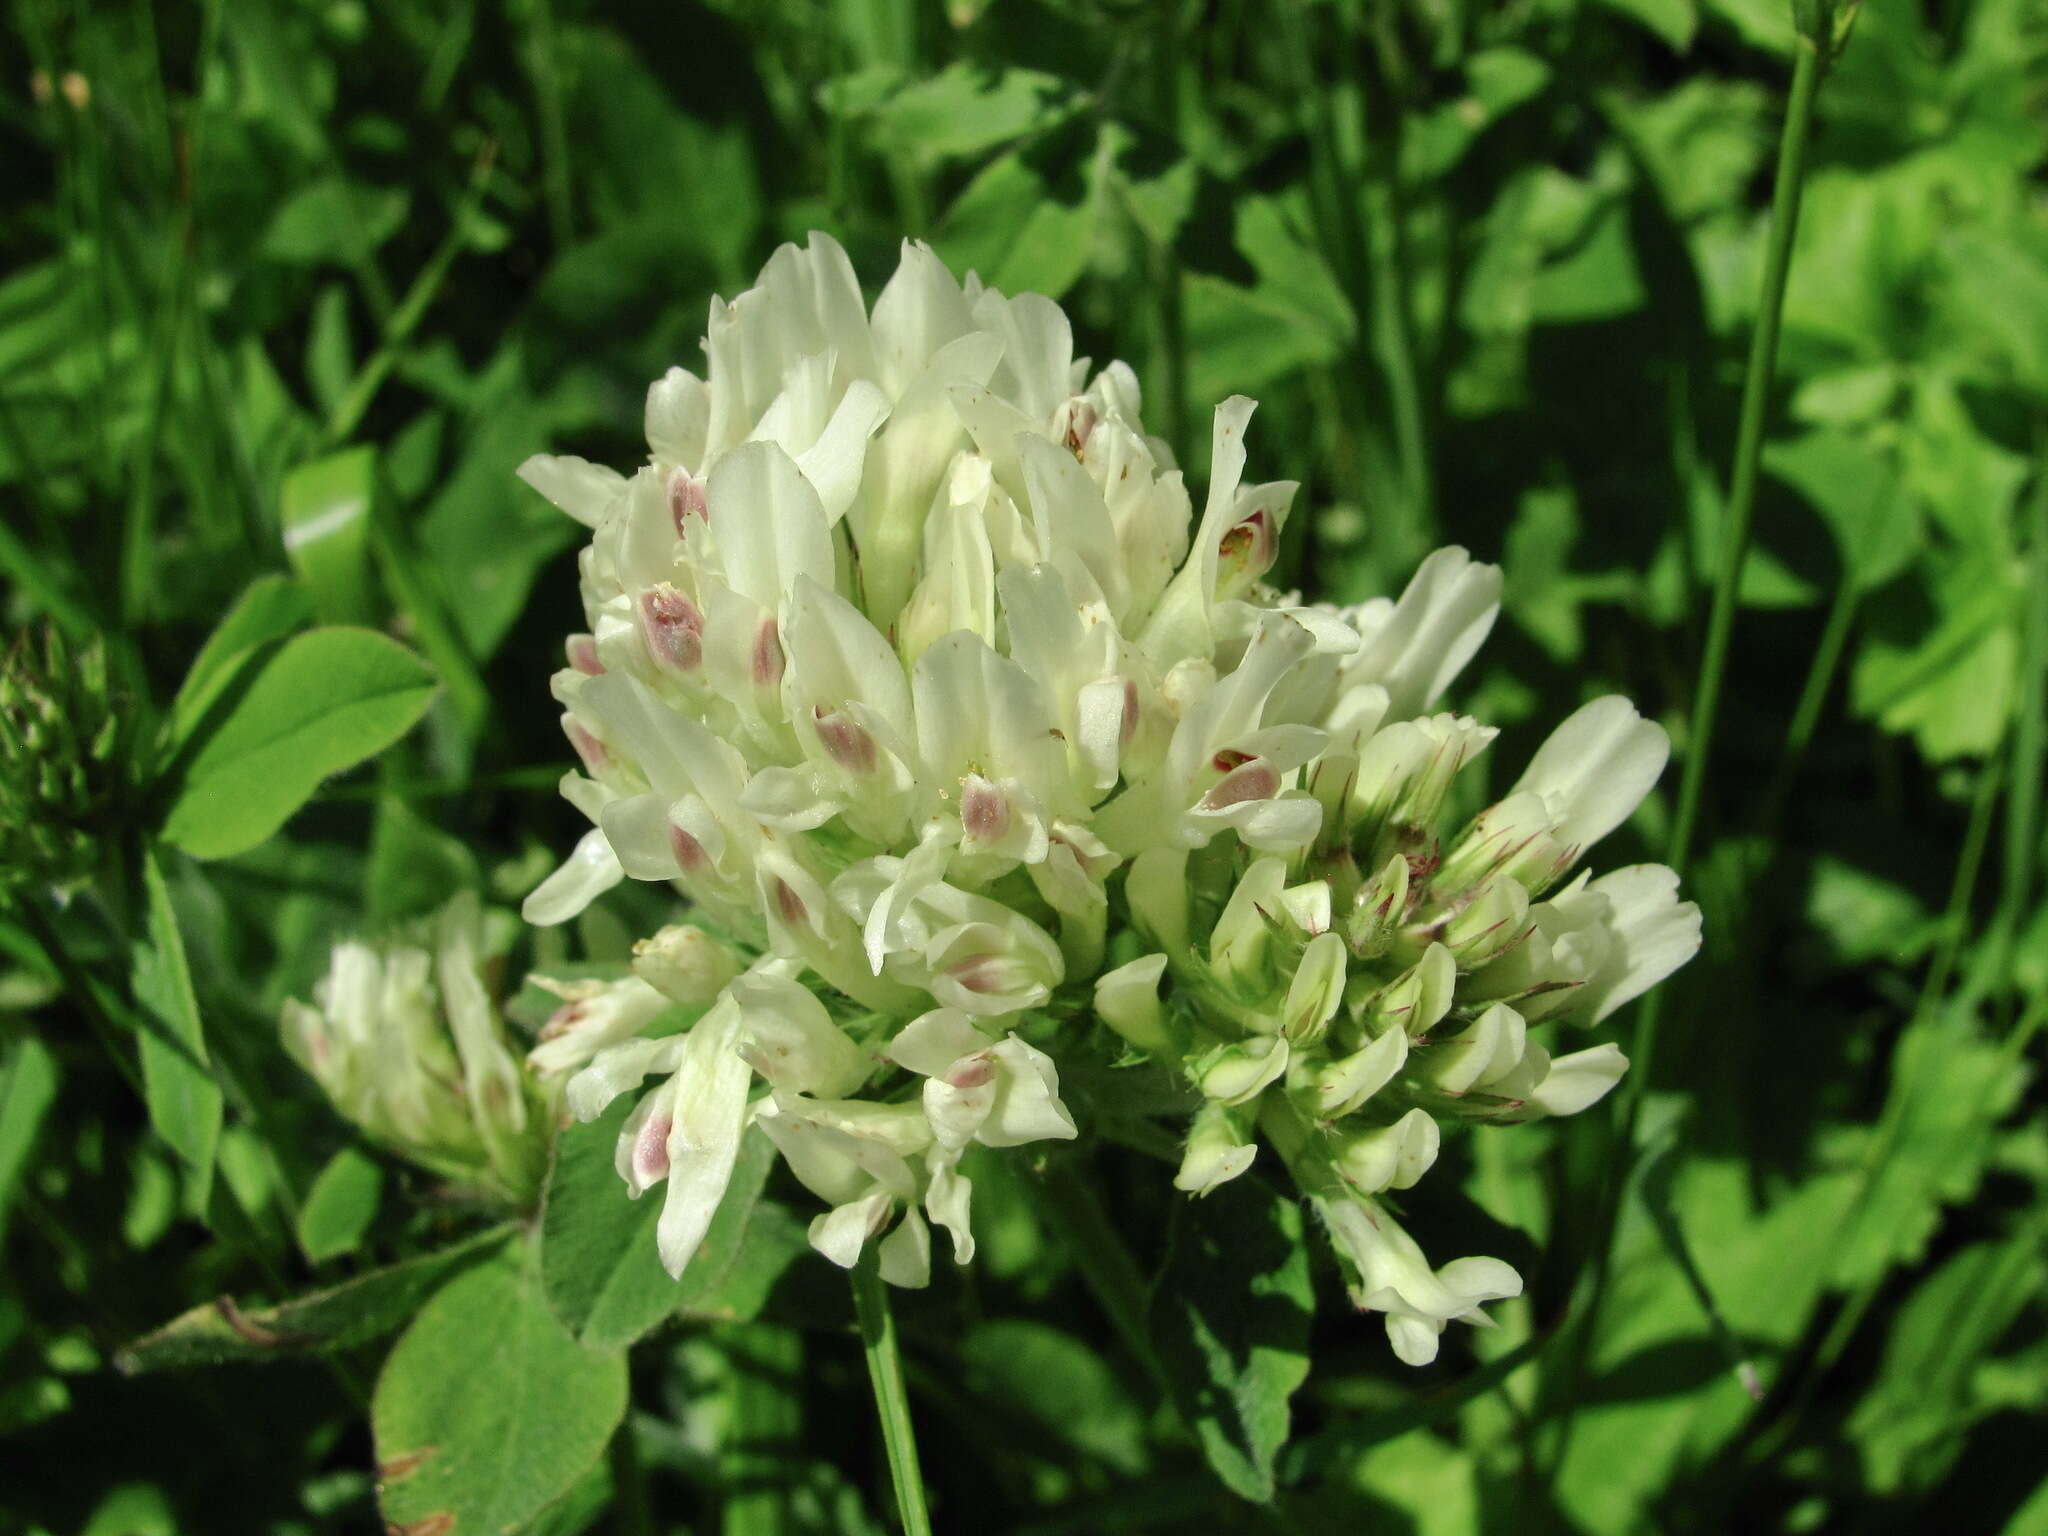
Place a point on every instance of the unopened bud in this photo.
(1514, 838)
(1345, 1084)
(1127, 1000)
(1219, 1149)
(1242, 937)
(1378, 910)
(1415, 1000)
(1317, 989)
(685, 964)
(1481, 1056)
(1489, 925)
(1392, 1157)
(1237, 1074)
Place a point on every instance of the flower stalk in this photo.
(892, 1401)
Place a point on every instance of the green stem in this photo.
(554, 136)
(892, 1403)
(1749, 442)
(2029, 741)
(1807, 69)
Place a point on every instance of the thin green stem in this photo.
(2022, 851)
(554, 135)
(892, 1402)
(1808, 66)
(426, 287)
(1749, 442)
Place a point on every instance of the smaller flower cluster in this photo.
(65, 748)
(1349, 1011)
(409, 1046)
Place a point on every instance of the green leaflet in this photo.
(183, 1097)
(488, 1410)
(1230, 1315)
(323, 702)
(340, 1206)
(339, 1317)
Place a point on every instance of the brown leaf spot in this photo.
(399, 1468)
(433, 1525)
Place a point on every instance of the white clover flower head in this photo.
(408, 1045)
(909, 660)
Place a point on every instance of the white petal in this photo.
(1596, 767)
(905, 1257)
(834, 462)
(1655, 934)
(580, 488)
(768, 522)
(704, 1141)
(621, 1067)
(1027, 1106)
(1580, 1080)
(588, 872)
(791, 1040)
(932, 1042)
(946, 1201)
(842, 1232)
(1425, 641)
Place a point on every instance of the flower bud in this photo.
(1483, 1054)
(409, 1046)
(685, 964)
(1343, 1085)
(1378, 910)
(1219, 1149)
(1414, 1001)
(1237, 1074)
(1240, 942)
(1406, 769)
(1317, 989)
(1392, 1157)
(1127, 1000)
(1515, 839)
(1490, 924)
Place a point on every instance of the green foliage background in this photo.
(1492, 271)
